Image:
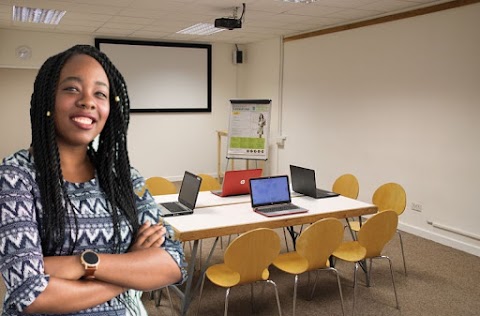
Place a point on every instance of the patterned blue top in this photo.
(21, 259)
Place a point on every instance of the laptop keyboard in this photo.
(279, 208)
(173, 207)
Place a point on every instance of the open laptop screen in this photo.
(189, 190)
(269, 190)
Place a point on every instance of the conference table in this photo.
(216, 216)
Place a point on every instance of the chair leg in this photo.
(369, 273)
(276, 295)
(227, 293)
(314, 284)
(252, 298)
(295, 293)
(354, 286)
(393, 281)
(403, 254)
(339, 289)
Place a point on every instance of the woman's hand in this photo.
(149, 236)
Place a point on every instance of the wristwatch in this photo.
(90, 261)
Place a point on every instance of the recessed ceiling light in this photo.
(200, 29)
(37, 15)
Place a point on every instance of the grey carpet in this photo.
(440, 281)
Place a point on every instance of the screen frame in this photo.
(206, 104)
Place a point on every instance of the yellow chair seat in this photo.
(291, 262)
(350, 251)
(222, 275)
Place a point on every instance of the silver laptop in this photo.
(270, 196)
(303, 181)
(187, 198)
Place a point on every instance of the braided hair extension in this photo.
(111, 160)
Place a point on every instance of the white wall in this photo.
(259, 78)
(159, 144)
(16, 86)
(394, 102)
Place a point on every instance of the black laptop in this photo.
(187, 198)
(270, 196)
(303, 181)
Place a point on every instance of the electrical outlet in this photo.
(416, 207)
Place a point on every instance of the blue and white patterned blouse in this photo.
(21, 259)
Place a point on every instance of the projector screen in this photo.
(163, 77)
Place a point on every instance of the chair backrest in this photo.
(377, 231)
(251, 253)
(346, 185)
(209, 183)
(318, 241)
(390, 196)
(160, 185)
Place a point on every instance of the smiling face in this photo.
(81, 101)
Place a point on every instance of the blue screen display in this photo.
(272, 190)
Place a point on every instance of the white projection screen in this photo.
(163, 77)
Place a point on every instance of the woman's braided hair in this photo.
(110, 158)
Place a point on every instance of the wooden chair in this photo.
(372, 237)
(209, 183)
(160, 186)
(389, 196)
(346, 185)
(246, 260)
(314, 247)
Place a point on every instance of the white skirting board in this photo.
(445, 239)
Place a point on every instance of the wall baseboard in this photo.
(441, 239)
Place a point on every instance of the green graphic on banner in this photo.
(247, 143)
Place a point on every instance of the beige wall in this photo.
(16, 86)
(395, 102)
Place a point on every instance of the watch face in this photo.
(90, 257)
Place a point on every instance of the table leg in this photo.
(187, 294)
(350, 229)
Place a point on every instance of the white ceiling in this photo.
(159, 20)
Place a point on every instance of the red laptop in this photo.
(236, 182)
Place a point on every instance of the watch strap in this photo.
(89, 272)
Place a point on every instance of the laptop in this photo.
(303, 181)
(236, 182)
(270, 196)
(187, 198)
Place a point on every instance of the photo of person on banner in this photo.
(261, 125)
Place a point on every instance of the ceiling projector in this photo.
(228, 23)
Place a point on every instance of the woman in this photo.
(75, 236)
